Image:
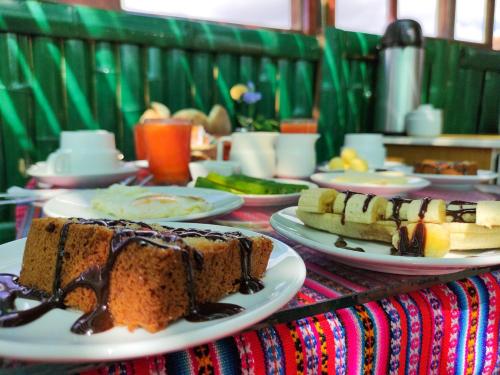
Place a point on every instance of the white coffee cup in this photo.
(204, 167)
(368, 146)
(254, 151)
(296, 155)
(84, 152)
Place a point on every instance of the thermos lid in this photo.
(403, 33)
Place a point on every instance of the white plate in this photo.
(389, 165)
(327, 180)
(443, 179)
(39, 171)
(78, 203)
(50, 339)
(260, 200)
(377, 254)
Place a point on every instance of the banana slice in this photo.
(365, 209)
(422, 239)
(461, 213)
(379, 231)
(469, 236)
(318, 200)
(397, 209)
(488, 213)
(431, 210)
(361, 208)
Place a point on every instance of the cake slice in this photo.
(137, 275)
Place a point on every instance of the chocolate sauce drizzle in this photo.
(367, 201)
(348, 195)
(411, 247)
(458, 215)
(415, 245)
(98, 278)
(423, 208)
(341, 243)
(397, 202)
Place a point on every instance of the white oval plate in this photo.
(39, 171)
(327, 180)
(78, 203)
(377, 255)
(49, 338)
(389, 165)
(260, 200)
(444, 179)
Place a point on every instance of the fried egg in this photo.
(137, 203)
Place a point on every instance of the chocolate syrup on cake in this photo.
(248, 283)
(98, 278)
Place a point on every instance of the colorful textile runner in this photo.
(450, 328)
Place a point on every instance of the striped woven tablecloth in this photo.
(444, 328)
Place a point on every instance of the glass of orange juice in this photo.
(140, 146)
(299, 125)
(168, 149)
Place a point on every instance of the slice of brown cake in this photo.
(136, 275)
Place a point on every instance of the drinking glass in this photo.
(168, 149)
(139, 143)
(299, 125)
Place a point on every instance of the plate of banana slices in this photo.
(403, 236)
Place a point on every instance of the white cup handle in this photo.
(58, 162)
(220, 146)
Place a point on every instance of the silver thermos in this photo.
(399, 75)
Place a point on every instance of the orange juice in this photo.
(299, 125)
(140, 146)
(168, 145)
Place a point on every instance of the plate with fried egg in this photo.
(148, 204)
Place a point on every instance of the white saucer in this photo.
(101, 179)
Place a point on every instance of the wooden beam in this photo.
(331, 6)
(392, 10)
(103, 4)
(489, 22)
(296, 7)
(310, 9)
(446, 19)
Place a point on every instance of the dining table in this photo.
(343, 320)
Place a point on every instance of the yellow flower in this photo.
(237, 91)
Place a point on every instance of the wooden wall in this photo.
(70, 67)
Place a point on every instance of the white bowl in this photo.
(203, 168)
